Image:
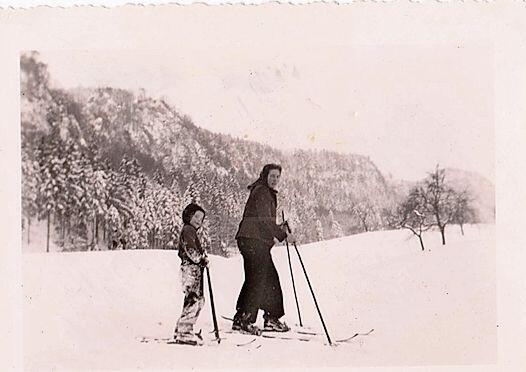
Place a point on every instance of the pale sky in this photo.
(407, 107)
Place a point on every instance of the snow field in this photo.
(86, 310)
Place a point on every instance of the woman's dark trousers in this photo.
(261, 289)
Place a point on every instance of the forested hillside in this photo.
(109, 168)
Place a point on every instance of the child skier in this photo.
(193, 260)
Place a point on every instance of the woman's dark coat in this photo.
(259, 217)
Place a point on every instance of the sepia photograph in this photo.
(321, 199)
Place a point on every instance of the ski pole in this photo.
(311, 290)
(214, 318)
(291, 272)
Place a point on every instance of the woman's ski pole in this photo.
(291, 273)
(311, 290)
(214, 318)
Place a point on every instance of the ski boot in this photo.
(243, 325)
(188, 339)
(274, 325)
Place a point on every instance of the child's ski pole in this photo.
(291, 273)
(311, 290)
(214, 318)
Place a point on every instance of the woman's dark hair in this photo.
(189, 212)
(263, 175)
(266, 170)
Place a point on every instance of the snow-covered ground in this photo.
(86, 310)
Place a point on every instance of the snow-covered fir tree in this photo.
(337, 231)
(319, 231)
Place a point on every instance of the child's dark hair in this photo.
(189, 212)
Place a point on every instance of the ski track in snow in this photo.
(89, 310)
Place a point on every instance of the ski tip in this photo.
(247, 343)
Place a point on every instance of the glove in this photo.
(204, 261)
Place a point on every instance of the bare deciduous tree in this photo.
(464, 211)
(364, 211)
(439, 200)
(412, 214)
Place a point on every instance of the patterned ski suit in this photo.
(191, 254)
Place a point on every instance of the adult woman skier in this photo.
(255, 238)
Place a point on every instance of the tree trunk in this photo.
(66, 228)
(28, 230)
(61, 227)
(96, 230)
(462, 229)
(64, 224)
(421, 242)
(109, 239)
(47, 240)
(443, 233)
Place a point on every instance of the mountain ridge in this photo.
(155, 159)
